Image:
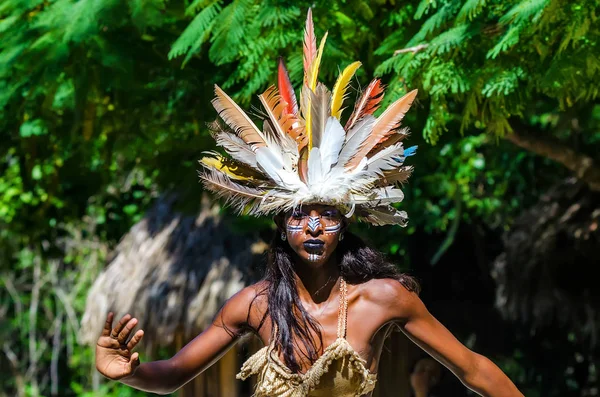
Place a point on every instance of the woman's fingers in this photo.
(137, 337)
(124, 334)
(108, 324)
(117, 330)
(134, 361)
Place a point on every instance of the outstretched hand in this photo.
(114, 350)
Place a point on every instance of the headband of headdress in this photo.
(304, 155)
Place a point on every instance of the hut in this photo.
(174, 271)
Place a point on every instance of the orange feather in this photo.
(367, 104)
(385, 125)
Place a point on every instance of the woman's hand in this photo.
(114, 350)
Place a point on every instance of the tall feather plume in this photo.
(316, 64)
(239, 121)
(303, 154)
(320, 112)
(385, 125)
(310, 44)
(340, 87)
(367, 104)
(286, 89)
(311, 87)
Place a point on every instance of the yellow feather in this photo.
(228, 167)
(314, 67)
(339, 89)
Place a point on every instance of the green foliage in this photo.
(489, 63)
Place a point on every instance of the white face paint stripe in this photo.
(313, 223)
(333, 229)
(294, 229)
(314, 257)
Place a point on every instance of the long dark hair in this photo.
(358, 263)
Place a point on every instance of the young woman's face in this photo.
(313, 232)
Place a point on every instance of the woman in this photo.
(327, 301)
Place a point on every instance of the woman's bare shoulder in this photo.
(247, 307)
(250, 296)
(387, 294)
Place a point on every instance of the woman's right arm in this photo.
(115, 359)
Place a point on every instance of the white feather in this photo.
(272, 164)
(331, 143)
(383, 195)
(386, 215)
(236, 147)
(355, 139)
(359, 125)
(315, 174)
(387, 159)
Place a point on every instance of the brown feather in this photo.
(239, 121)
(393, 177)
(281, 121)
(242, 197)
(320, 111)
(389, 140)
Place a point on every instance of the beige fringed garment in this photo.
(340, 371)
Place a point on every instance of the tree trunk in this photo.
(584, 167)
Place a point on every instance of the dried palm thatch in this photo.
(173, 272)
(544, 277)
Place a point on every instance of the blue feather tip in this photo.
(410, 151)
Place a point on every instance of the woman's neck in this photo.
(316, 285)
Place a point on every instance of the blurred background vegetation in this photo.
(103, 105)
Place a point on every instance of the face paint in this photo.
(313, 223)
(294, 228)
(333, 228)
(314, 257)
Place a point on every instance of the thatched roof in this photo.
(544, 276)
(173, 272)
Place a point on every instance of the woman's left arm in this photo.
(475, 371)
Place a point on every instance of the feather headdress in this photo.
(303, 154)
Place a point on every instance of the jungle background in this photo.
(103, 111)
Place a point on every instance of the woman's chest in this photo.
(362, 332)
